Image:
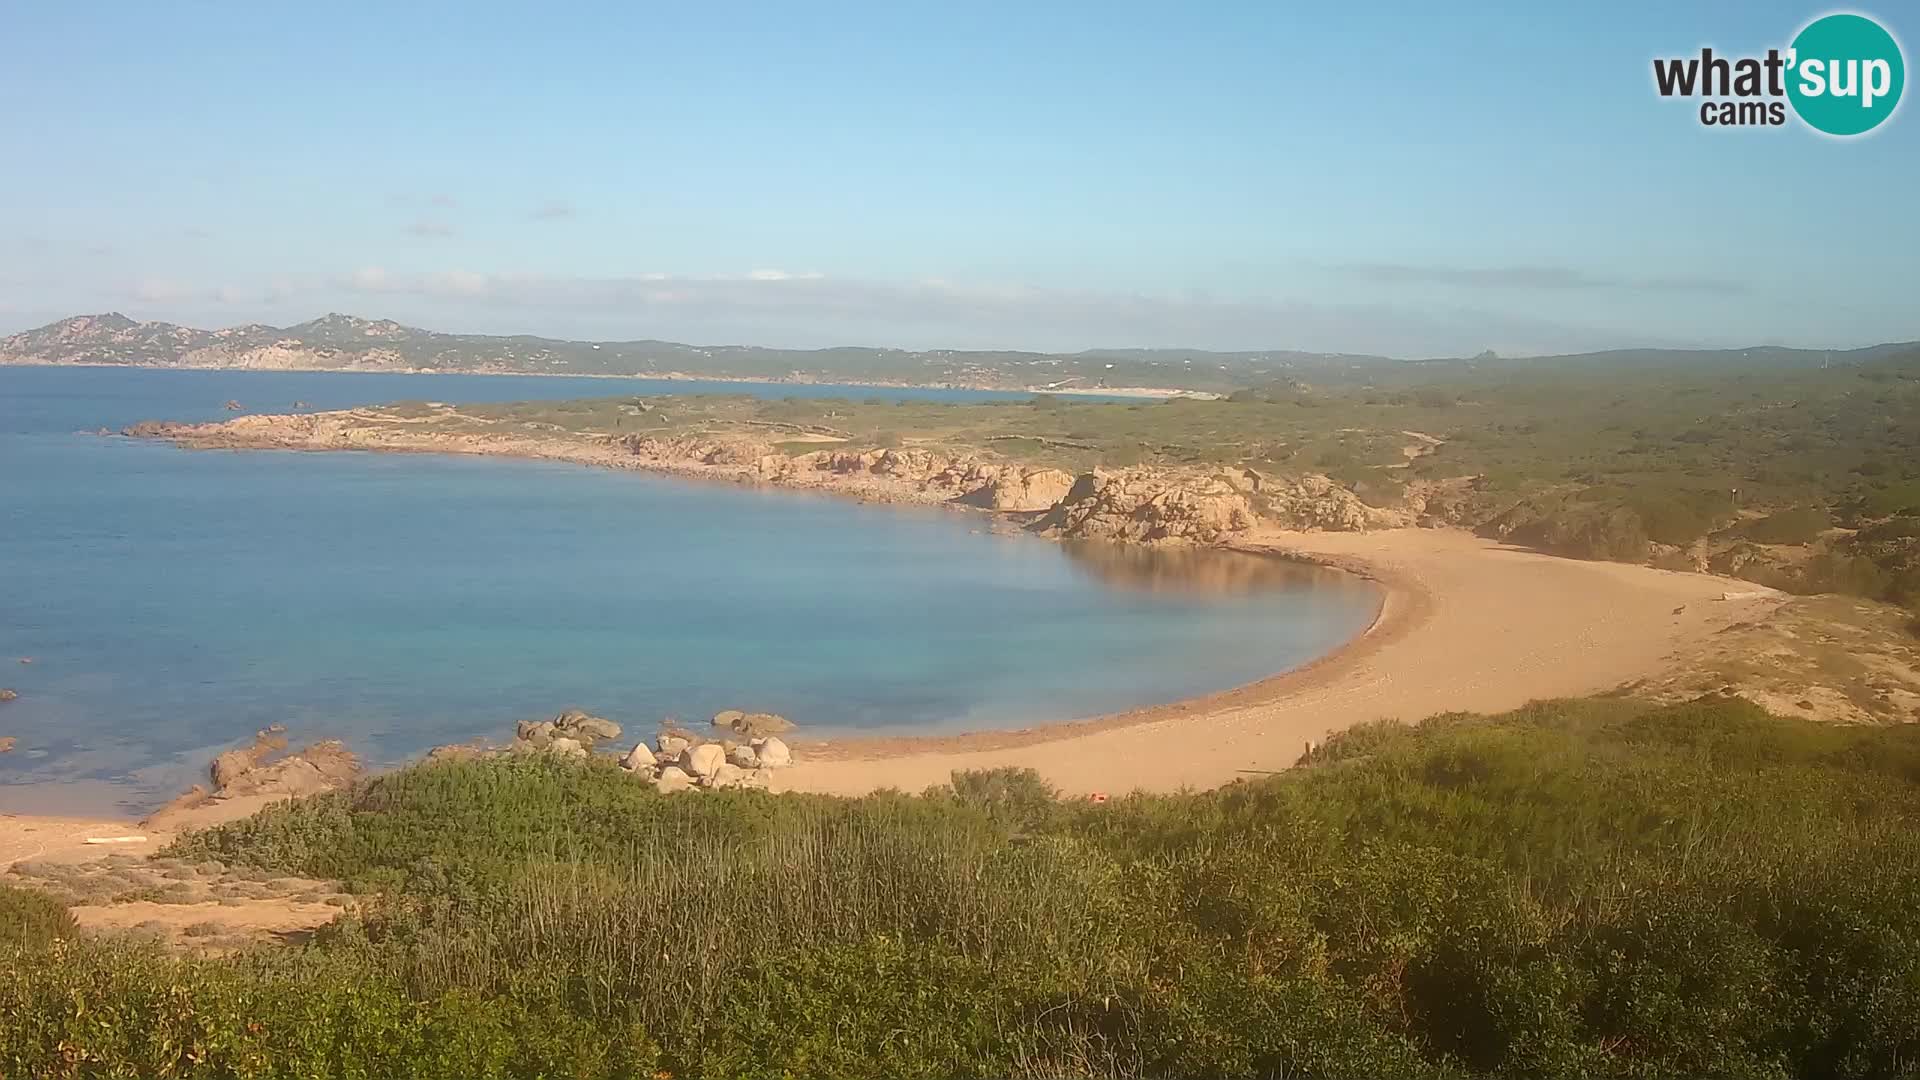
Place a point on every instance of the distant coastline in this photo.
(1144, 392)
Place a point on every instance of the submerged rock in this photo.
(7, 695)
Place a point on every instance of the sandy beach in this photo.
(1467, 624)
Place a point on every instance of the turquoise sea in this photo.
(173, 601)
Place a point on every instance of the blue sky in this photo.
(1389, 178)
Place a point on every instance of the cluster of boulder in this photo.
(245, 779)
(1141, 504)
(571, 734)
(678, 759)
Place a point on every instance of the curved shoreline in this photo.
(1456, 629)
(1404, 605)
(1467, 624)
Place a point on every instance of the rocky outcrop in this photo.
(572, 733)
(681, 761)
(773, 753)
(752, 725)
(1313, 501)
(1143, 504)
(244, 780)
(702, 761)
(7, 695)
(1150, 506)
(1159, 505)
(1028, 490)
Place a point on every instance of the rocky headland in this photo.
(1205, 505)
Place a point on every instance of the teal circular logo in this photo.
(1845, 74)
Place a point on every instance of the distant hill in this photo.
(350, 343)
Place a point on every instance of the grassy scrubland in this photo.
(1580, 888)
(1808, 480)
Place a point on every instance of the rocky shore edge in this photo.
(745, 750)
(1200, 505)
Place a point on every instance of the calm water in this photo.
(173, 601)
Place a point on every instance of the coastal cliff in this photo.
(1206, 505)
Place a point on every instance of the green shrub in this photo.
(1902, 498)
(115, 1010)
(1575, 888)
(1800, 525)
(1678, 517)
(30, 918)
(1015, 797)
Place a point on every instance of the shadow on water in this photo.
(1199, 570)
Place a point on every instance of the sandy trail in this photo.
(1468, 624)
(25, 838)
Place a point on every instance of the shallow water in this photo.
(173, 601)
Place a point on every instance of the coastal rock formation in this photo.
(572, 732)
(6, 744)
(1150, 506)
(1314, 501)
(1156, 505)
(757, 725)
(245, 780)
(672, 779)
(1141, 504)
(579, 725)
(640, 758)
(772, 753)
(1028, 490)
(232, 764)
(566, 747)
(7, 695)
(702, 761)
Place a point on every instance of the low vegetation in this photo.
(1578, 888)
(30, 918)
